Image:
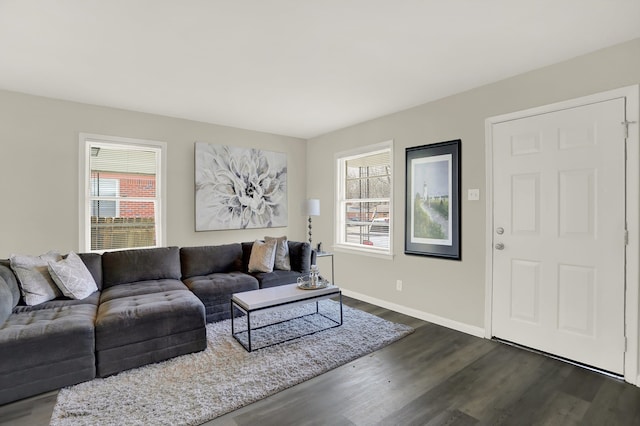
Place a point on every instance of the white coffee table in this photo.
(279, 297)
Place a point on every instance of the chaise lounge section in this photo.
(43, 347)
(146, 314)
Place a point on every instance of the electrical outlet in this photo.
(473, 194)
(399, 285)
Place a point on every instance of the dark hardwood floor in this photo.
(435, 376)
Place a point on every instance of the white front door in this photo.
(559, 233)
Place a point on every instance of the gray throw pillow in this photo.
(36, 283)
(263, 255)
(282, 261)
(72, 277)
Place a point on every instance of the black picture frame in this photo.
(432, 200)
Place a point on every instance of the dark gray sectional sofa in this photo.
(151, 305)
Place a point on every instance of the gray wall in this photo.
(39, 171)
(451, 290)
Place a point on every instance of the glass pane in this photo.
(123, 172)
(377, 187)
(104, 208)
(367, 224)
(134, 227)
(368, 176)
(103, 186)
(110, 184)
(377, 163)
(122, 160)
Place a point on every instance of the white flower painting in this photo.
(239, 188)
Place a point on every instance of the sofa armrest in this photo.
(6, 301)
(11, 282)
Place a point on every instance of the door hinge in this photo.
(626, 127)
(626, 237)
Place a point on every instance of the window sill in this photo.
(361, 251)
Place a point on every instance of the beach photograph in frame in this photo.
(432, 204)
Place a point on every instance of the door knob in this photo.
(499, 246)
(499, 230)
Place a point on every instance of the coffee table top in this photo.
(272, 296)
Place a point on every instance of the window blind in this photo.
(123, 196)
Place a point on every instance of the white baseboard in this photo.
(445, 322)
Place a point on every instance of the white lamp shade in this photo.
(311, 207)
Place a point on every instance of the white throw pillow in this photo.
(263, 256)
(282, 262)
(72, 277)
(36, 283)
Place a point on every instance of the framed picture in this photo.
(239, 188)
(432, 204)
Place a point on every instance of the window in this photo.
(121, 193)
(364, 199)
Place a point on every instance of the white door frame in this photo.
(632, 272)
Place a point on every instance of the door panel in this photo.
(559, 195)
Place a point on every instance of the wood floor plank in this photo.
(32, 411)
(583, 386)
(563, 410)
(475, 381)
(497, 394)
(530, 404)
(615, 403)
(452, 418)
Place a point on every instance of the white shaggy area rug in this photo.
(195, 388)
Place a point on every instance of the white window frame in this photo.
(86, 141)
(341, 219)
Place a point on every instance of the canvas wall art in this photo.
(239, 188)
(432, 223)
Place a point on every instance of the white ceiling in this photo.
(291, 67)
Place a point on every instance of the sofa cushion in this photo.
(140, 288)
(32, 337)
(127, 266)
(146, 317)
(215, 291)
(94, 299)
(246, 254)
(205, 260)
(300, 254)
(72, 277)
(93, 262)
(36, 283)
(6, 301)
(263, 256)
(282, 261)
(10, 280)
(276, 278)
